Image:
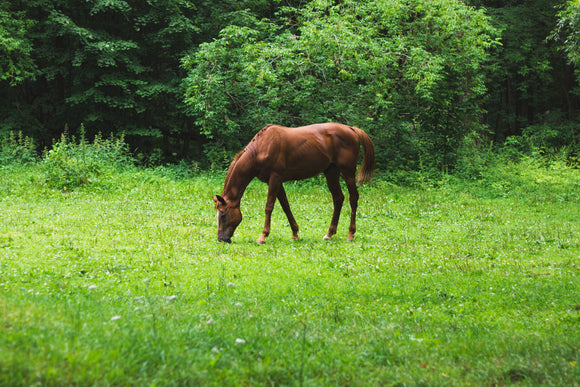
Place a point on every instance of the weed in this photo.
(72, 163)
(17, 149)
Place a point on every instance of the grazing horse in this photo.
(277, 154)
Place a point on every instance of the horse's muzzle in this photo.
(227, 240)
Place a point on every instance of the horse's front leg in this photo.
(283, 199)
(274, 185)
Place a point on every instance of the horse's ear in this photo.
(218, 198)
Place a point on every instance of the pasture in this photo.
(124, 283)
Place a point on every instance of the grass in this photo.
(125, 284)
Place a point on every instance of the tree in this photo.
(532, 90)
(16, 63)
(113, 65)
(568, 30)
(406, 71)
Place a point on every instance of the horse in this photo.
(278, 154)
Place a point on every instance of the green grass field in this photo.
(124, 283)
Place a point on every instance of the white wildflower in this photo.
(412, 338)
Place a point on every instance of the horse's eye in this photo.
(222, 215)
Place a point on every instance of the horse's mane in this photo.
(231, 168)
(261, 132)
(250, 148)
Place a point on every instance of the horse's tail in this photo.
(368, 162)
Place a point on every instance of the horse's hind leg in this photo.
(283, 199)
(333, 181)
(353, 196)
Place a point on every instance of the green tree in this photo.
(568, 30)
(409, 72)
(532, 90)
(113, 65)
(16, 63)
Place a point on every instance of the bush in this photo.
(72, 163)
(17, 149)
(407, 72)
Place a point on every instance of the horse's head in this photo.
(228, 216)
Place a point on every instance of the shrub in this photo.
(17, 149)
(72, 163)
(407, 72)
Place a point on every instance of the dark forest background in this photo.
(430, 80)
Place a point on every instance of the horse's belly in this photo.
(305, 171)
(294, 172)
(300, 175)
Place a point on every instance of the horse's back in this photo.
(302, 152)
(333, 135)
(329, 128)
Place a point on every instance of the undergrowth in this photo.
(72, 162)
(16, 148)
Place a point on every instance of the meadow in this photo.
(123, 282)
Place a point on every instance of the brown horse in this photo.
(277, 154)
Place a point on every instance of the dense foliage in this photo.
(110, 64)
(15, 49)
(568, 31)
(407, 72)
(195, 79)
(533, 91)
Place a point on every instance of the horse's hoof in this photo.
(260, 242)
(326, 238)
(350, 239)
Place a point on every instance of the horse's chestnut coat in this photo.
(277, 154)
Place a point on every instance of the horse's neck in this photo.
(241, 173)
